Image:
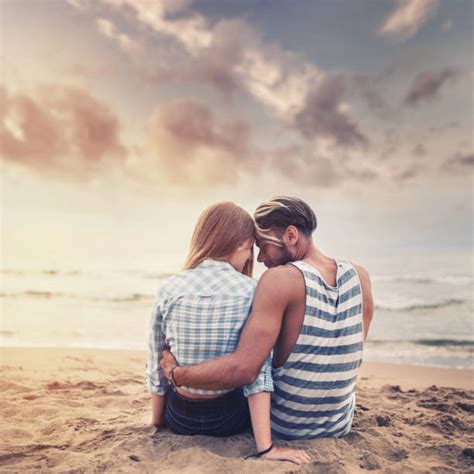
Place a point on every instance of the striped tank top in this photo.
(314, 389)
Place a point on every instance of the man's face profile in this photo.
(272, 254)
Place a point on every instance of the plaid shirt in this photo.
(199, 314)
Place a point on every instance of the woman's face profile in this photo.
(242, 255)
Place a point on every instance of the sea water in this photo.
(423, 307)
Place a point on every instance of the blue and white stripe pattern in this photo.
(199, 314)
(314, 390)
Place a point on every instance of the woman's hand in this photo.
(298, 456)
(158, 403)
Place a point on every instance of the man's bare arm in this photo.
(367, 300)
(257, 340)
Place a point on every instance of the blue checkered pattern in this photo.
(199, 314)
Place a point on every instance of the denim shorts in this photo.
(223, 416)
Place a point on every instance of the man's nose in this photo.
(260, 257)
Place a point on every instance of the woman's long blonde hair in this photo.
(220, 230)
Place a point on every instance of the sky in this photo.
(121, 120)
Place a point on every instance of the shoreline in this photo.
(375, 373)
(80, 410)
(468, 364)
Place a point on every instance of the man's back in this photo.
(318, 352)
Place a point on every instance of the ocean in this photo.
(423, 307)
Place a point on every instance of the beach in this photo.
(80, 410)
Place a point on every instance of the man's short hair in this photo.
(282, 211)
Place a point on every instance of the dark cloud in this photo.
(57, 127)
(391, 143)
(194, 124)
(409, 172)
(323, 116)
(460, 160)
(215, 66)
(419, 150)
(192, 146)
(370, 89)
(445, 127)
(426, 85)
(304, 166)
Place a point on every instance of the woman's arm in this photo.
(158, 403)
(156, 382)
(259, 405)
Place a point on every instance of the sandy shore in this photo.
(87, 411)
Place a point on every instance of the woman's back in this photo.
(202, 312)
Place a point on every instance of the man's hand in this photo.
(275, 292)
(167, 363)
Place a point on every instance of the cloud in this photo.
(57, 127)
(89, 71)
(409, 172)
(447, 25)
(460, 160)
(407, 18)
(215, 65)
(426, 85)
(371, 90)
(390, 144)
(230, 55)
(109, 30)
(191, 31)
(29, 132)
(324, 116)
(304, 166)
(419, 150)
(452, 125)
(191, 146)
(307, 166)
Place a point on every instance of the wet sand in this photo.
(68, 410)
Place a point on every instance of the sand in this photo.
(67, 410)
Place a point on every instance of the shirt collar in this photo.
(215, 264)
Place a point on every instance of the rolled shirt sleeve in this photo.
(264, 380)
(154, 377)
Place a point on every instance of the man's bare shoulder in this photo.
(282, 278)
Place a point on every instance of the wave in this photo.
(445, 279)
(126, 298)
(92, 273)
(426, 342)
(56, 294)
(445, 342)
(149, 275)
(420, 306)
(49, 272)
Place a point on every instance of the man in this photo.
(314, 312)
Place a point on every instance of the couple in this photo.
(312, 311)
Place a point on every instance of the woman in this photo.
(199, 314)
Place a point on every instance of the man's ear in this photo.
(291, 235)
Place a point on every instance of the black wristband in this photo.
(260, 453)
